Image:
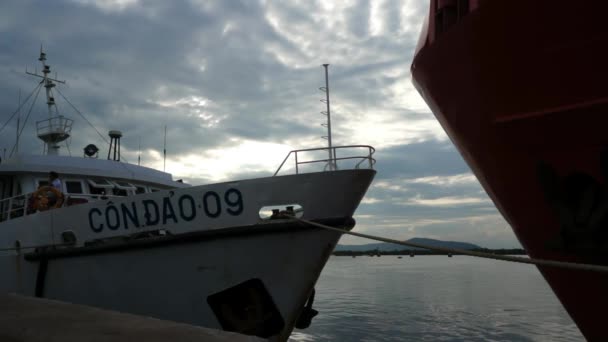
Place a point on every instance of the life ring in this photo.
(41, 198)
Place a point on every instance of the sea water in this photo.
(435, 298)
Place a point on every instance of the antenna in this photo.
(165, 150)
(331, 162)
(114, 140)
(18, 123)
(139, 152)
(56, 128)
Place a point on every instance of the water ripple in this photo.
(433, 298)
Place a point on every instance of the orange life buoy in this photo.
(41, 198)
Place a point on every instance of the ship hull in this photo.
(175, 279)
(519, 86)
(197, 257)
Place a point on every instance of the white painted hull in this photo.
(171, 277)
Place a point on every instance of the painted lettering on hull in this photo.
(165, 211)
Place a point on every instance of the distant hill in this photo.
(387, 247)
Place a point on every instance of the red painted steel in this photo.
(521, 88)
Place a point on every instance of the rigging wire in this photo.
(21, 105)
(26, 118)
(67, 141)
(67, 145)
(532, 261)
(89, 122)
(82, 116)
(17, 249)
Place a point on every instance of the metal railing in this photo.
(54, 125)
(347, 153)
(20, 205)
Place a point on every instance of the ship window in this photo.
(100, 186)
(140, 190)
(100, 183)
(119, 192)
(42, 183)
(97, 191)
(154, 190)
(73, 187)
(124, 185)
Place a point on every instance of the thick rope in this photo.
(538, 262)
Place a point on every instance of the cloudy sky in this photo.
(236, 83)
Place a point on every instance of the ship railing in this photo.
(55, 125)
(329, 159)
(21, 205)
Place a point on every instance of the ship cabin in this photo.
(83, 180)
(24, 178)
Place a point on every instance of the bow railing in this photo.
(342, 158)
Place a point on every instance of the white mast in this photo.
(165, 150)
(18, 124)
(56, 128)
(331, 162)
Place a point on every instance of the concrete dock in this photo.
(27, 319)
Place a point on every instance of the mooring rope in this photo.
(538, 262)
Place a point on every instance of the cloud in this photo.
(236, 86)
(454, 180)
(447, 201)
(108, 5)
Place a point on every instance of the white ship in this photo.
(129, 238)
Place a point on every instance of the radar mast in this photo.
(56, 128)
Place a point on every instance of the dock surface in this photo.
(28, 319)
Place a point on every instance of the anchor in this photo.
(308, 313)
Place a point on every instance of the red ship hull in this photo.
(521, 88)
